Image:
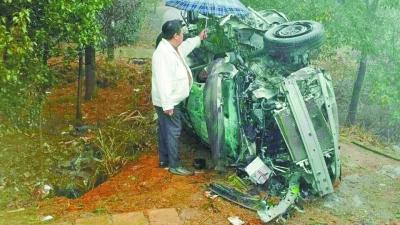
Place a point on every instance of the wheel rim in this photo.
(293, 30)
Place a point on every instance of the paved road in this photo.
(145, 46)
(168, 216)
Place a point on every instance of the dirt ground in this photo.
(368, 193)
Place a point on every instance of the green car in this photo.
(263, 108)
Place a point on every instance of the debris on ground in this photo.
(235, 220)
(41, 191)
(47, 218)
(258, 171)
(16, 210)
(210, 195)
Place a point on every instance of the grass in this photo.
(119, 142)
(133, 52)
(23, 216)
(362, 136)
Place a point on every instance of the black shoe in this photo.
(163, 164)
(181, 171)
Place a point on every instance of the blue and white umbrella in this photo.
(210, 7)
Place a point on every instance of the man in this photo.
(171, 83)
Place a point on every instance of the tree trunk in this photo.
(110, 48)
(78, 116)
(46, 53)
(90, 74)
(351, 116)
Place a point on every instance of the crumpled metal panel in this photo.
(291, 134)
(195, 112)
(308, 134)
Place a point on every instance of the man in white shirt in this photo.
(171, 83)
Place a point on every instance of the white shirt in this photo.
(171, 74)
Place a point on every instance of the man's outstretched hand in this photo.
(203, 34)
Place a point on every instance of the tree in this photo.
(22, 77)
(30, 31)
(90, 75)
(385, 84)
(362, 26)
(77, 22)
(358, 24)
(121, 22)
(359, 19)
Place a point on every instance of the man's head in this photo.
(172, 31)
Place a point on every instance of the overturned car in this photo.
(263, 109)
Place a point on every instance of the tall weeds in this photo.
(122, 138)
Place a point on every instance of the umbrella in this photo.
(210, 7)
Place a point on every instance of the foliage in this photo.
(33, 30)
(297, 10)
(75, 21)
(22, 77)
(121, 21)
(374, 34)
(387, 63)
(29, 33)
(366, 28)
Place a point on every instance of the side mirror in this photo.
(192, 17)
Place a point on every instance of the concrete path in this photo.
(168, 216)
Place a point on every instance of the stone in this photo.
(189, 214)
(133, 218)
(168, 216)
(98, 220)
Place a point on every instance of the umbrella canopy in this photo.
(210, 7)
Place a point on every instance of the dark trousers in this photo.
(169, 131)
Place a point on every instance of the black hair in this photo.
(159, 38)
(170, 28)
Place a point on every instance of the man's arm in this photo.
(191, 43)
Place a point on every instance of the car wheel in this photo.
(213, 109)
(293, 38)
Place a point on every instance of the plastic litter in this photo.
(47, 218)
(235, 220)
(209, 194)
(16, 210)
(258, 171)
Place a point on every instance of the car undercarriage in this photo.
(262, 108)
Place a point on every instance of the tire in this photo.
(294, 38)
(214, 111)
